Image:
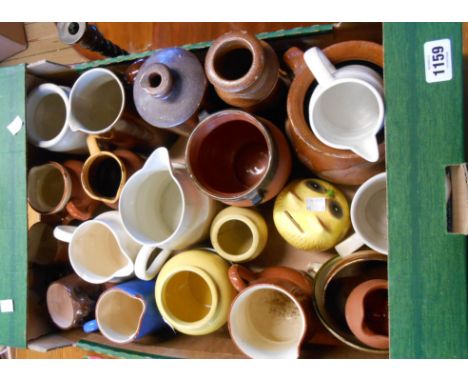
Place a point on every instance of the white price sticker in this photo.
(6, 306)
(316, 204)
(438, 60)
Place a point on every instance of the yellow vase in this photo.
(193, 292)
(239, 234)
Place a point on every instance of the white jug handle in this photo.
(350, 245)
(367, 149)
(145, 272)
(159, 160)
(64, 232)
(319, 65)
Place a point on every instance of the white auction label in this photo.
(438, 60)
(316, 204)
(6, 306)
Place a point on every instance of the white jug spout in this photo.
(159, 160)
(368, 149)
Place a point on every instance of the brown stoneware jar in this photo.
(169, 89)
(366, 313)
(338, 166)
(244, 71)
(55, 188)
(272, 315)
(71, 300)
(237, 158)
(106, 172)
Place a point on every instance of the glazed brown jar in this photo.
(244, 71)
(237, 158)
(338, 166)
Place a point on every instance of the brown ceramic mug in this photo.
(338, 166)
(333, 284)
(237, 158)
(366, 313)
(105, 172)
(272, 315)
(71, 300)
(55, 188)
(43, 247)
(244, 71)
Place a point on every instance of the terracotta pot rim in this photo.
(235, 39)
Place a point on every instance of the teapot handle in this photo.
(240, 276)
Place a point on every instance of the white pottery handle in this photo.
(145, 272)
(64, 232)
(319, 65)
(350, 245)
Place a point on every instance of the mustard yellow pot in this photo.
(239, 234)
(193, 292)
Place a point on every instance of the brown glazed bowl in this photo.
(366, 313)
(264, 316)
(237, 158)
(338, 166)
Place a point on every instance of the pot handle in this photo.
(350, 245)
(145, 272)
(240, 276)
(294, 58)
(64, 233)
(320, 66)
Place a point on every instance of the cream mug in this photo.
(100, 250)
(47, 120)
(161, 208)
(346, 110)
(368, 217)
(99, 106)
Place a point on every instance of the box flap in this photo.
(13, 218)
(424, 133)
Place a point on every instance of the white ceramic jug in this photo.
(162, 208)
(346, 109)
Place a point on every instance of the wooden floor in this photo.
(43, 43)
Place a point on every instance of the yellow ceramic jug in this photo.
(193, 292)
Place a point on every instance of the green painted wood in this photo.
(116, 352)
(13, 207)
(424, 133)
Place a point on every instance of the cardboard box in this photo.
(12, 39)
(428, 318)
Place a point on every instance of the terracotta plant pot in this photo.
(237, 158)
(338, 166)
(366, 313)
(244, 71)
